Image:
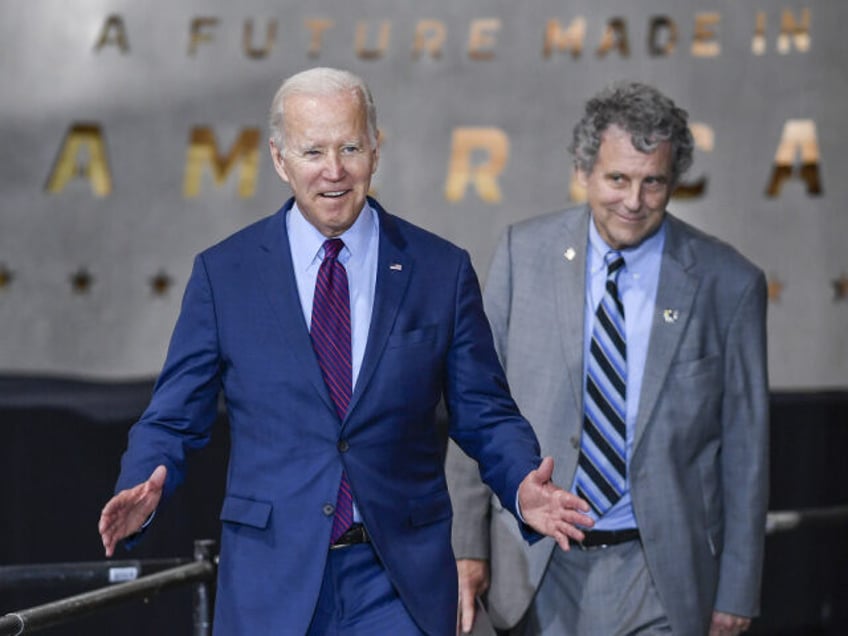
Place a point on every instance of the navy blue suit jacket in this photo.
(241, 330)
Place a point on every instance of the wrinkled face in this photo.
(627, 190)
(328, 159)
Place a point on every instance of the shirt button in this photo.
(328, 509)
(343, 446)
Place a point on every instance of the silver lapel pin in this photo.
(569, 254)
(670, 315)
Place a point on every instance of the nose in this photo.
(633, 197)
(334, 167)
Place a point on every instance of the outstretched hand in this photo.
(125, 513)
(551, 510)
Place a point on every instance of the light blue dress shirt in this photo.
(637, 285)
(359, 257)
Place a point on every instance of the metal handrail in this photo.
(87, 573)
(201, 572)
(784, 520)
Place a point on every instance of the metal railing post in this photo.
(202, 614)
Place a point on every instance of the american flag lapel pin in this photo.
(396, 267)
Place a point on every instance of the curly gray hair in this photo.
(642, 111)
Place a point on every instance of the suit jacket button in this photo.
(575, 441)
(329, 509)
(343, 446)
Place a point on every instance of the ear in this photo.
(277, 158)
(376, 151)
(582, 177)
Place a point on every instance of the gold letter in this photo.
(799, 136)
(758, 42)
(704, 41)
(202, 149)
(493, 143)
(658, 25)
(382, 41)
(317, 26)
(481, 38)
(704, 137)
(82, 138)
(113, 23)
(793, 31)
(270, 37)
(615, 36)
(197, 34)
(429, 36)
(557, 38)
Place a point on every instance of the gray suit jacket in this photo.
(699, 468)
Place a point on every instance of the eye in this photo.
(350, 149)
(655, 183)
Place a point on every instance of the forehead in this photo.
(617, 152)
(315, 113)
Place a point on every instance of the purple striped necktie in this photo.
(331, 340)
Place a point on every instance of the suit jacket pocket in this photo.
(248, 512)
(430, 509)
(420, 336)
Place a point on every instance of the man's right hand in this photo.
(473, 581)
(126, 512)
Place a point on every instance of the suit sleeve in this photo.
(471, 497)
(744, 456)
(182, 410)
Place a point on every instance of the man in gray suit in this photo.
(646, 380)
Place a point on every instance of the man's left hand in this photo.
(728, 624)
(549, 509)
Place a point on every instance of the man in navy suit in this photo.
(418, 335)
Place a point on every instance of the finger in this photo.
(572, 501)
(568, 532)
(545, 470)
(467, 610)
(108, 544)
(575, 517)
(157, 478)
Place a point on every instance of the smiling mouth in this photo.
(334, 195)
(630, 218)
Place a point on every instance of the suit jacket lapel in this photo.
(276, 271)
(569, 283)
(675, 297)
(394, 270)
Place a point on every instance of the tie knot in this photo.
(332, 247)
(614, 261)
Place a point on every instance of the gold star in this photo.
(775, 289)
(81, 281)
(161, 283)
(6, 276)
(840, 288)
